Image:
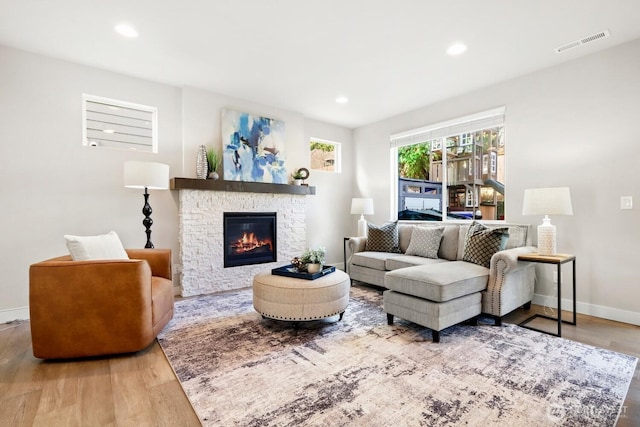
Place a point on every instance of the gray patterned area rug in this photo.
(241, 370)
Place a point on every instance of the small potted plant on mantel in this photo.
(314, 259)
(213, 162)
(297, 177)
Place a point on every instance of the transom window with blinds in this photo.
(452, 169)
(112, 123)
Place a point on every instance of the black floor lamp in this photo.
(150, 176)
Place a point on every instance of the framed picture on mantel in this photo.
(253, 148)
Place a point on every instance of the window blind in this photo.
(471, 123)
(118, 124)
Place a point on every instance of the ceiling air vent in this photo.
(584, 40)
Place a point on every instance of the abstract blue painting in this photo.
(253, 148)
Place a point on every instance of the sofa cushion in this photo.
(404, 236)
(383, 238)
(425, 241)
(449, 243)
(517, 236)
(481, 243)
(371, 276)
(463, 230)
(374, 260)
(402, 261)
(439, 282)
(104, 246)
(433, 315)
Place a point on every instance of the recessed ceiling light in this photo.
(342, 100)
(456, 49)
(126, 30)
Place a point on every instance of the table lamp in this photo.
(547, 201)
(362, 206)
(147, 175)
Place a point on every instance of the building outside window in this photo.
(452, 170)
(325, 155)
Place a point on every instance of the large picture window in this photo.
(451, 170)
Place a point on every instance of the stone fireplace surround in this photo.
(201, 205)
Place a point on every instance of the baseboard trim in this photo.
(9, 315)
(601, 311)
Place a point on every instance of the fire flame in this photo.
(249, 242)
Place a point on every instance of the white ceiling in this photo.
(387, 57)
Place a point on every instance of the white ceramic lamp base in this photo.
(547, 237)
(362, 226)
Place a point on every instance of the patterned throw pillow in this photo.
(425, 241)
(481, 243)
(383, 238)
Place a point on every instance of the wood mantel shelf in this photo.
(238, 186)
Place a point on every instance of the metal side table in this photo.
(556, 260)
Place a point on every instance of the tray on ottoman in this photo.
(291, 271)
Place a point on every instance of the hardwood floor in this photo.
(142, 390)
(131, 390)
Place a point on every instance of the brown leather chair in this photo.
(92, 308)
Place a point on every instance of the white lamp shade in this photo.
(547, 201)
(151, 175)
(362, 206)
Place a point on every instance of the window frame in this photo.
(437, 135)
(337, 161)
(129, 136)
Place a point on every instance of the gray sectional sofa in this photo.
(442, 285)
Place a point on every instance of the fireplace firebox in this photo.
(249, 238)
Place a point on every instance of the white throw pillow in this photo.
(105, 246)
(425, 241)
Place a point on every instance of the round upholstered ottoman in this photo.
(289, 298)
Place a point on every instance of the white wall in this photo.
(52, 185)
(329, 220)
(202, 114)
(572, 125)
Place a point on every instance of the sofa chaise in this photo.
(443, 273)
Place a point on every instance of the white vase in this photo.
(314, 268)
(201, 163)
(297, 182)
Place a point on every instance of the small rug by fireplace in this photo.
(241, 370)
